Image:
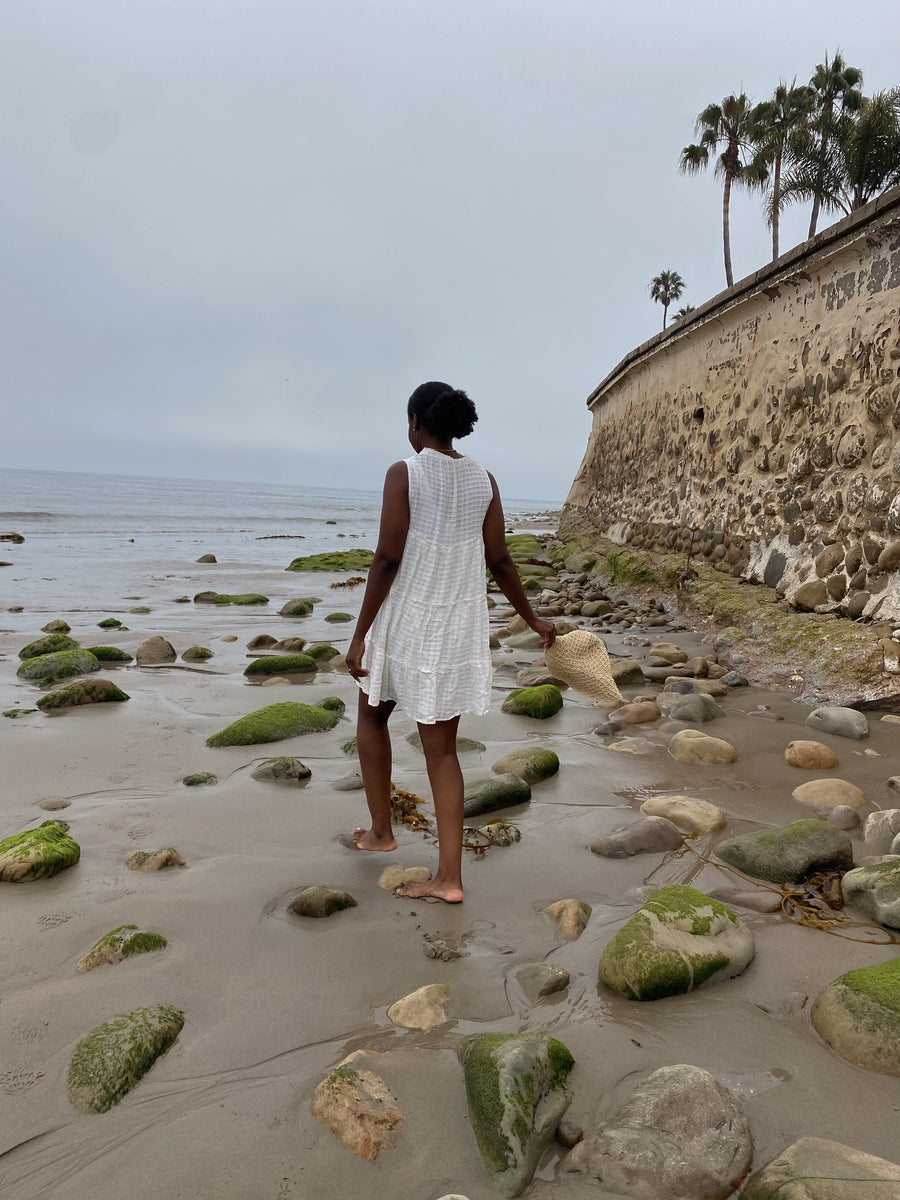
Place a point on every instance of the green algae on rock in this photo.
(48, 645)
(114, 1056)
(37, 853)
(517, 1093)
(200, 779)
(274, 723)
(677, 941)
(859, 1016)
(109, 623)
(13, 713)
(530, 765)
(206, 558)
(300, 606)
(110, 654)
(350, 748)
(154, 860)
(789, 853)
(279, 664)
(47, 668)
(282, 770)
(121, 942)
(322, 650)
(339, 618)
(334, 560)
(84, 691)
(242, 598)
(332, 704)
(876, 891)
(538, 702)
(196, 654)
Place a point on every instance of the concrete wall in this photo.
(765, 429)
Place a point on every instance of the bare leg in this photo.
(439, 744)
(373, 741)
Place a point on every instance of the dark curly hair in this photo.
(444, 411)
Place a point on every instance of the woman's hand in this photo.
(354, 657)
(546, 629)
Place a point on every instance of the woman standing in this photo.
(422, 638)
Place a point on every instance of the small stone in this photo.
(532, 765)
(811, 756)
(228, 637)
(647, 835)
(206, 558)
(789, 853)
(815, 1169)
(571, 917)
(263, 641)
(536, 702)
(121, 942)
(759, 900)
(421, 1009)
(668, 652)
(638, 712)
(349, 783)
(392, 877)
(488, 795)
(155, 650)
(689, 815)
(734, 679)
(626, 672)
(276, 681)
(464, 745)
(538, 980)
(875, 890)
(690, 746)
(319, 901)
(843, 722)
(882, 826)
(359, 1110)
(154, 860)
(282, 770)
(844, 817)
(197, 654)
(828, 793)
(696, 709)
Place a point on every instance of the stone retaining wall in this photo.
(764, 430)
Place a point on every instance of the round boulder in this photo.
(691, 747)
(810, 756)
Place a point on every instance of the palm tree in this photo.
(731, 126)
(666, 287)
(782, 133)
(834, 84)
(685, 311)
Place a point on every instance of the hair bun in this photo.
(445, 412)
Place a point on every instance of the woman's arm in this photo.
(385, 564)
(503, 569)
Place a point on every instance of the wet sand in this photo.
(273, 1002)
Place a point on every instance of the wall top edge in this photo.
(806, 253)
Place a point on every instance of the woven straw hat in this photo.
(579, 659)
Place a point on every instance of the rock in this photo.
(464, 745)
(50, 644)
(37, 853)
(392, 877)
(638, 712)
(154, 860)
(109, 623)
(689, 815)
(844, 817)
(359, 1110)
(789, 853)
(291, 645)
(626, 672)
(538, 980)
(733, 679)
(228, 637)
(882, 826)
(538, 702)
(121, 942)
(197, 654)
(263, 641)
(339, 618)
(58, 626)
(280, 664)
(320, 901)
(351, 748)
(114, 1056)
(538, 676)
(281, 770)
(810, 756)
(155, 650)
(48, 668)
(244, 598)
(859, 1016)
(680, 1134)
(499, 833)
(322, 651)
(810, 595)
(206, 558)
(875, 891)
(647, 835)
(695, 709)
(421, 1009)
(349, 783)
(334, 560)
(83, 691)
(571, 917)
(488, 795)
(669, 652)
(531, 765)
(815, 1169)
(110, 654)
(759, 899)
(690, 746)
(201, 779)
(300, 606)
(525, 641)
(677, 941)
(829, 793)
(517, 624)
(274, 723)
(517, 1092)
(843, 722)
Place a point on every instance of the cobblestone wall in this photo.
(765, 430)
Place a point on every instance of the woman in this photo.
(426, 607)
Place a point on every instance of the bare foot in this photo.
(365, 839)
(451, 893)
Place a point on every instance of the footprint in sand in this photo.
(139, 832)
(19, 1079)
(51, 920)
(30, 1033)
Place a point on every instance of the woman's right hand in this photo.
(354, 657)
(546, 629)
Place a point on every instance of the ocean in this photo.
(101, 542)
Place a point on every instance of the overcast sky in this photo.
(237, 233)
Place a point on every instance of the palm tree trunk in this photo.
(665, 313)
(726, 231)
(814, 216)
(776, 191)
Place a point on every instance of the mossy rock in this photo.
(196, 654)
(333, 704)
(538, 702)
(274, 723)
(282, 770)
(141, 610)
(57, 626)
(322, 650)
(47, 668)
(522, 546)
(339, 618)
(530, 765)
(205, 597)
(13, 713)
(109, 623)
(114, 1056)
(200, 779)
(182, 600)
(264, 641)
(350, 748)
(110, 654)
(334, 560)
(677, 941)
(288, 645)
(789, 853)
(84, 691)
(50, 644)
(464, 745)
(37, 853)
(16, 608)
(517, 1092)
(280, 664)
(121, 942)
(300, 606)
(206, 558)
(859, 1016)
(243, 598)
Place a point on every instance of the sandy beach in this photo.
(273, 1002)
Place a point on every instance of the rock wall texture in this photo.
(764, 431)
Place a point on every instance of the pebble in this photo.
(689, 815)
(844, 817)
(392, 877)
(763, 900)
(690, 746)
(349, 783)
(421, 1009)
(228, 637)
(829, 793)
(538, 980)
(571, 917)
(645, 836)
(813, 756)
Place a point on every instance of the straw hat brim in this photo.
(580, 659)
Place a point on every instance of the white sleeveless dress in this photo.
(428, 648)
